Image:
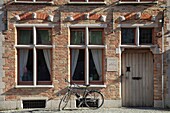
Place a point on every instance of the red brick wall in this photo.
(60, 69)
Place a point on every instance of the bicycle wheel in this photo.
(64, 101)
(94, 100)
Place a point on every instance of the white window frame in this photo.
(137, 34)
(138, 2)
(87, 46)
(34, 1)
(86, 2)
(34, 47)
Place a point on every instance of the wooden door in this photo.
(137, 78)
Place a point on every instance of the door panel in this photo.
(137, 79)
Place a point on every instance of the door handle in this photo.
(136, 78)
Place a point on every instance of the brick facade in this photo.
(61, 54)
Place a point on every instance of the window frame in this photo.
(34, 1)
(137, 36)
(87, 47)
(34, 47)
(138, 1)
(86, 2)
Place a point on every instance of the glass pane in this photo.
(25, 37)
(95, 37)
(77, 64)
(77, 38)
(128, 36)
(145, 36)
(43, 65)
(43, 37)
(95, 64)
(25, 64)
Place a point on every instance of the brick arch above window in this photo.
(37, 16)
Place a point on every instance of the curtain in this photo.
(77, 37)
(44, 35)
(25, 36)
(75, 54)
(95, 37)
(97, 58)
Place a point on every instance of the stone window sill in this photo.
(32, 86)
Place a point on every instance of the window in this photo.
(136, 36)
(87, 1)
(86, 47)
(137, 0)
(34, 51)
(33, 1)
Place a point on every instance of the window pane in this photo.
(77, 37)
(43, 65)
(96, 0)
(43, 37)
(25, 64)
(128, 36)
(95, 37)
(77, 0)
(25, 37)
(95, 64)
(77, 64)
(145, 36)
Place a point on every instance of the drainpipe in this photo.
(163, 97)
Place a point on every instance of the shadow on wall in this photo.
(167, 76)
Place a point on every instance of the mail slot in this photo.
(136, 78)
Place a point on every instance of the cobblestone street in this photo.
(102, 110)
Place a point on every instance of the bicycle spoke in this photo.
(64, 101)
(94, 100)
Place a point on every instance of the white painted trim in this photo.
(140, 46)
(34, 58)
(89, 46)
(91, 86)
(138, 2)
(151, 24)
(87, 56)
(137, 35)
(24, 46)
(44, 46)
(35, 25)
(34, 86)
(76, 46)
(102, 3)
(34, 98)
(33, 2)
(88, 25)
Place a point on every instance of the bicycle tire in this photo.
(64, 101)
(94, 99)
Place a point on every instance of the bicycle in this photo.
(92, 99)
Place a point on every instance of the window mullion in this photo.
(137, 36)
(87, 57)
(34, 57)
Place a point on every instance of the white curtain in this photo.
(77, 38)
(24, 39)
(75, 54)
(97, 58)
(44, 34)
(47, 55)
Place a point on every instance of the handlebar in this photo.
(76, 84)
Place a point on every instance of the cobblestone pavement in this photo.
(102, 110)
